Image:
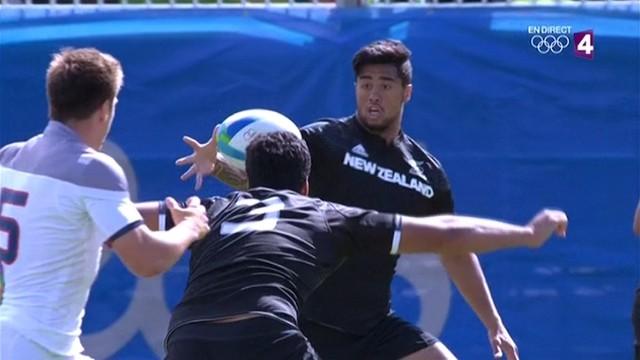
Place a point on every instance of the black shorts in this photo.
(392, 338)
(258, 338)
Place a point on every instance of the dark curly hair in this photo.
(278, 160)
(391, 52)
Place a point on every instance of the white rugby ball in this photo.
(237, 131)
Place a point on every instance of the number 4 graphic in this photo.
(9, 225)
(584, 43)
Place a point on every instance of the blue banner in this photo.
(520, 120)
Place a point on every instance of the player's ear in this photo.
(305, 188)
(104, 111)
(407, 92)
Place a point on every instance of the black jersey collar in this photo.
(376, 139)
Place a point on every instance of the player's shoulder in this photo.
(271, 197)
(326, 125)
(216, 204)
(9, 151)
(101, 171)
(347, 210)
(264, 194)
(420, 153)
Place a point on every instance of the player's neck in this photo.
(393, 131)
(389, 133)
(88, 132)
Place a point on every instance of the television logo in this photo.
(550, 43)
(584, 44)
(554, 39)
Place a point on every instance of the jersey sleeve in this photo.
(105, 195)
(444, 199)
(445, 202)
(359, 231)
(8, 152)
(213, 206)
(313, 133)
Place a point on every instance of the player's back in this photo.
(49, 186)
(263, 255)
(268, 250)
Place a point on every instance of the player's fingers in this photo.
(214, 135)
(562, 216)
(193, 201)
(508, 347)
(189, 173)
(495, 347)
(191, 142)
(561, 223)
(171, 203)
(198, 181)
(186, 159)
(561, 229)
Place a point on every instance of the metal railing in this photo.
(195, 4)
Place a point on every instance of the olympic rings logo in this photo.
(549, 43)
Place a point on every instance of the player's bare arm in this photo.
(464, 234)
(466, 273)
(456, 238)
(205, 161)
(147, 252)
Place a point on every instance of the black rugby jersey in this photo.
(267, 250)
(351, 166)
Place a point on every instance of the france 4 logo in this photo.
(555, 39)
(584, 44)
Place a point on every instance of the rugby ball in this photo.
(237, 131)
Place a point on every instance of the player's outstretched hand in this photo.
(546, 223)
(502, 344)
(203, 159)
(194, 214)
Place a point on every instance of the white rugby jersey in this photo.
(60, 201)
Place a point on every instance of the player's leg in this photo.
(436, 351)
(333, 344)
(395, 338)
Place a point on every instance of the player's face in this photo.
(380, 97)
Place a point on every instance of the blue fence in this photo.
(515, 129)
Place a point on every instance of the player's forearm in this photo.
(167, 247)
(466, 273)
(150, 211)
(149, 253)
(230, 175)
(452, 234)
(173, 243)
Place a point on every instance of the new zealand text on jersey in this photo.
(387, 175)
